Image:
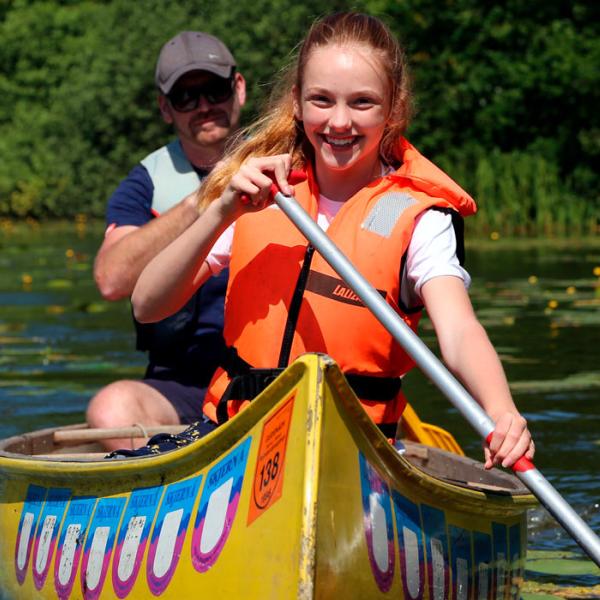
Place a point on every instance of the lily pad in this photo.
(579, 381)
(55, 284)
(547, 591)
(559, 563)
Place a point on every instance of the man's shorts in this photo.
(186, 395)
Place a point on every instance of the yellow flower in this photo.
(494, 236)
(532, 279)
(552, 304)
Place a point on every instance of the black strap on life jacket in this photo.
(247, 382)
(294, 311)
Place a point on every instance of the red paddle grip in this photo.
(521, 465)
(294, 177)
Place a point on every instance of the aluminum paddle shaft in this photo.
(438, 373)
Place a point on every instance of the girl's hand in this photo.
(249, 190)
(511, 439)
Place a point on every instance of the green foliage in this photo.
(506, 95)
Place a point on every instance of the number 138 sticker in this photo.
(268, 476)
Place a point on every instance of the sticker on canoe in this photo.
(482, 550)
(517, 559)
(410, 544)
(99, 545)
(169, 532)
(32, 507)
(462, 563)
(379, 530)
(47, 533)
(500, 556)
(436, 544)
(270, 463)
(218, 506)
(133, 537)
(70, 544)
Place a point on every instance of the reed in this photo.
(522, 194)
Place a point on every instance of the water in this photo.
(540, 303)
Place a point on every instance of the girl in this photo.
(341, 119)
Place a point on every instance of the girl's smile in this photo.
(343, 105)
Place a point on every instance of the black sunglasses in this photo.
(215, 91)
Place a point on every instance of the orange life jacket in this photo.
(373, 229)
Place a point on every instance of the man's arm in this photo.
(126, 250)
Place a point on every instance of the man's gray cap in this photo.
(191, 51)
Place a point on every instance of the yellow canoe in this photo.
(299, 496)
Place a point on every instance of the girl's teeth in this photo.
(338, 142)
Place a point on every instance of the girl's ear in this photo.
(296, 101)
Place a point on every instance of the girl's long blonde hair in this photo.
(279, 132)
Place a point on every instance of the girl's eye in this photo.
(364, 102)
(319, 100)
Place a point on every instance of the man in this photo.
(200, 95)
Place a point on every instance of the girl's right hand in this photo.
(249, 190)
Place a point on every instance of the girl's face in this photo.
(343, 105)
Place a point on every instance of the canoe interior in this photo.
(451, 468)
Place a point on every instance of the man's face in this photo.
(213, 120)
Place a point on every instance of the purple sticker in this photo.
(70, 544)
(218, 507)
(169, 532)
(99, 545)
(133, 537)
(378, 524)
(26, 529)
(47, 533)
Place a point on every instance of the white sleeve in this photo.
(431, 253)
(220, 253)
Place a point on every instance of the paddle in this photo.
(437, 372)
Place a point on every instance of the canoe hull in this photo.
(298, 497)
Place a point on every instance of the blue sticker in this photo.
(378, 524)
(70, 544)
(169, 532)
(462, 561)
(410, 543)
(133, 537)
(516, 553)
(501, 570)
(99, 545)
(482, 552)
(436, 544)
(47, 533)
(32, 508)
(218, 507)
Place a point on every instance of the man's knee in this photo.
(112, 405)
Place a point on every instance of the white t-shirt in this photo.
(431, 252)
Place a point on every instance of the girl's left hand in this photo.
(511, 439)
